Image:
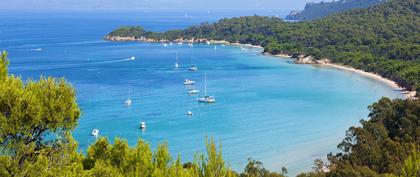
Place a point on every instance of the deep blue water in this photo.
(268, 109)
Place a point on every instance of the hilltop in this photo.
(319, 10)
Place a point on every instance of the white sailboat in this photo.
(206, 98)
(128, 101)
(176, 62)
(193, 67)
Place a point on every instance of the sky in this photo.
(153, 4)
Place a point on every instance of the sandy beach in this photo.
(391, 83)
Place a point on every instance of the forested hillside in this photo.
(319, 10)
(383, 39)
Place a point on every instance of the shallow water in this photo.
(268, 109)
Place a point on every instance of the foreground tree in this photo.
(36, 119)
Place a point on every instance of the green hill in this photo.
(323, 9)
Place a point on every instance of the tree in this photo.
(36, 120)
(3, 65)
(411, 166)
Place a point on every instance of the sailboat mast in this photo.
(205, 84)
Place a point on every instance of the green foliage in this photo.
(319, 10)
(383, 143)
(36, 117)
(135, 31)
(411, 166)
(3, 65)
(256, 169)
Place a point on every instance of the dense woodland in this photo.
(322, 9)
(383, 39)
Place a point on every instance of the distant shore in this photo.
(300, 60)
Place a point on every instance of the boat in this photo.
(171, 43)
(193, 68)
(206, 98)
(176, 62)
(95, 132)
(128, 101)
(208, 42)
(193, 91)
(189, 113)
(37, 49)
(165, 45)
(223, 45)
(180, 43)
(132, 58)
(188, 82)
(190, 45)
(142, 125)
(244, 50)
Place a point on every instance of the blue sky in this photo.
(141, 4)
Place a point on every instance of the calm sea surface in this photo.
(268, 109)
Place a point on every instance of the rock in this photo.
(305, 60)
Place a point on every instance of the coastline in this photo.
(300, 60)
(377, 77)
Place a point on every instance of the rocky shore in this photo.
(150, 40)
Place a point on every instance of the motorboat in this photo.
(193, 68)
(193, 91)
(95, 132)
(142, 125)
(189, 113)
(188, 82)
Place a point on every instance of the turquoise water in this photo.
(268, 109)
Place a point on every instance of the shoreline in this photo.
(394, 85)
(301, 60)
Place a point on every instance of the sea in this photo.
(267, 108)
